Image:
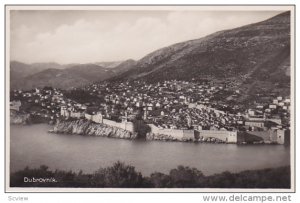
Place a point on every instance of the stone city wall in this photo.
(223, 135)
(192, 135)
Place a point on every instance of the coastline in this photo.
(86, 127)
(89, 128)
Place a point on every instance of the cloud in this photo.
(86, 40)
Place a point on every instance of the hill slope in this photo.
(259, 51)
(28, 76)
(19, 71)
(74, 76)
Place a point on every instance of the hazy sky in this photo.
(94, 36)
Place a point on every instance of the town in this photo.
(167, 107)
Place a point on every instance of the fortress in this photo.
(98, 118)
(156, 133)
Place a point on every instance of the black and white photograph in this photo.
(150, 98)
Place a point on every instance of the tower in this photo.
(125, 118)
(189, 121)
(145, 114)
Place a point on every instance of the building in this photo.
(97, 118)
(76, 114)
(259, 124)
(283, 136)
(15, 105)
(64, 112)
(251, 112)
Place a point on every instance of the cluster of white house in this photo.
(202, 106)
(278, 136)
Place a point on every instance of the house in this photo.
(139, 104)
(15, 105)
(279, 98)
(259, 124)
(251, 112)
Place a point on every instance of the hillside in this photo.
(28, 76)
(259, 51)
(19, 71)
(109, 64)
(74, 76)
(124, 66)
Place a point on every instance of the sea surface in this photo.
(33, 146)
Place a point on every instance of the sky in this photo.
(89, 36)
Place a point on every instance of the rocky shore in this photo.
(88, 128)
(162, 137)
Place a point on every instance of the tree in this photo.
(119, 175)
(186, 177)
(160, 180)
(223, 180)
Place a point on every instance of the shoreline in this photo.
(89, 128)
(74, 127)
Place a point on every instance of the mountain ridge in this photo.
(254, 53)
(66, 76)
(227, 52)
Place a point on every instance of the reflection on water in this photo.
(32, 146)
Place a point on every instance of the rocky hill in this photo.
(259, 51)
(87, 128)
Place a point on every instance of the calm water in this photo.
(33, 146)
